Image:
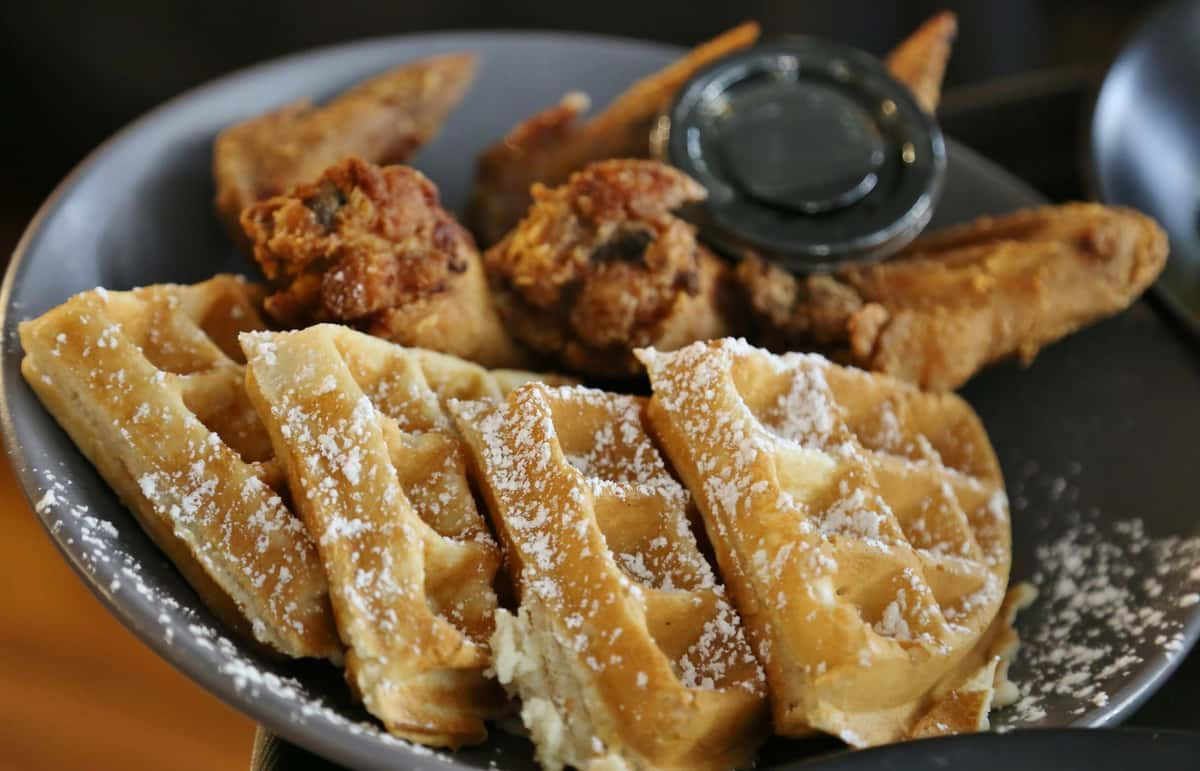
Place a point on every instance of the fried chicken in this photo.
(600, 266)
(372, 247)
(550, 145)
(919, 62)
(961, 298)
(384, 120)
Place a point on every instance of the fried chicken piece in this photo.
(963, 297)
(372, 247)
(384, 120)
(548, 146)
(919, 62)
(600, 266)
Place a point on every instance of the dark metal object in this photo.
(139, 211)
(1145, 143)
(1043, 750)
(1047, 750)
(812, 154)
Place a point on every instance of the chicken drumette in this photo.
(372, 247)
(383, 120)
(960, 298)
(600, 266)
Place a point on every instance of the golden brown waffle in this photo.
(378, 475)
(149, 385)
(624, 650)
(861, 525)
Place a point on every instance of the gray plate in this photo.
(1095, 438)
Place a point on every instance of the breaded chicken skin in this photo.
(600, 266)
(961, 298)
(549, 146)
(919, 62)
(384, 120)
(372, 247)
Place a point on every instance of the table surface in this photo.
(78, 690)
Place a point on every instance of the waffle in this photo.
(148, 385)
(861, 525)
(379, 478)
(624, 651)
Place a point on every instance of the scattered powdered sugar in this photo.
(183, 624)
(1111, 599)
(1107, 589)
(780, 439)
(556, 483)
(253, 680)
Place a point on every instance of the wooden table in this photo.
(79, 691)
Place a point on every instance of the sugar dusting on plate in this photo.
(1110, 596)
(1107, 591)
(117, 571)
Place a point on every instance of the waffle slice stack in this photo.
(149, 385)
(378, 476)
(862, 527)
(624, 649)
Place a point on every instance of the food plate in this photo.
(1094, 438)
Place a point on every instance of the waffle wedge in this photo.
(624, 650)
(862, 528)
(379, 478)
(149, 386)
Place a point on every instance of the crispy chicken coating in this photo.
(919, 62)
(384, 120)
(548, 146)
(372, 247)
(961, 298)
(600, 266)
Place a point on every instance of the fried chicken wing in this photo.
(384, 120)
(600, 266)
(919, 62)
(372, 247)
(550, 145)
(960, 298)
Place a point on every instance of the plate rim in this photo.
(267, 712)
(1033, 738)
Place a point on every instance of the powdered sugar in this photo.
(778, 451)
(1112, 599)
(184, 624)
(576, 481)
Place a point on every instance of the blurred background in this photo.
(78, 691)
